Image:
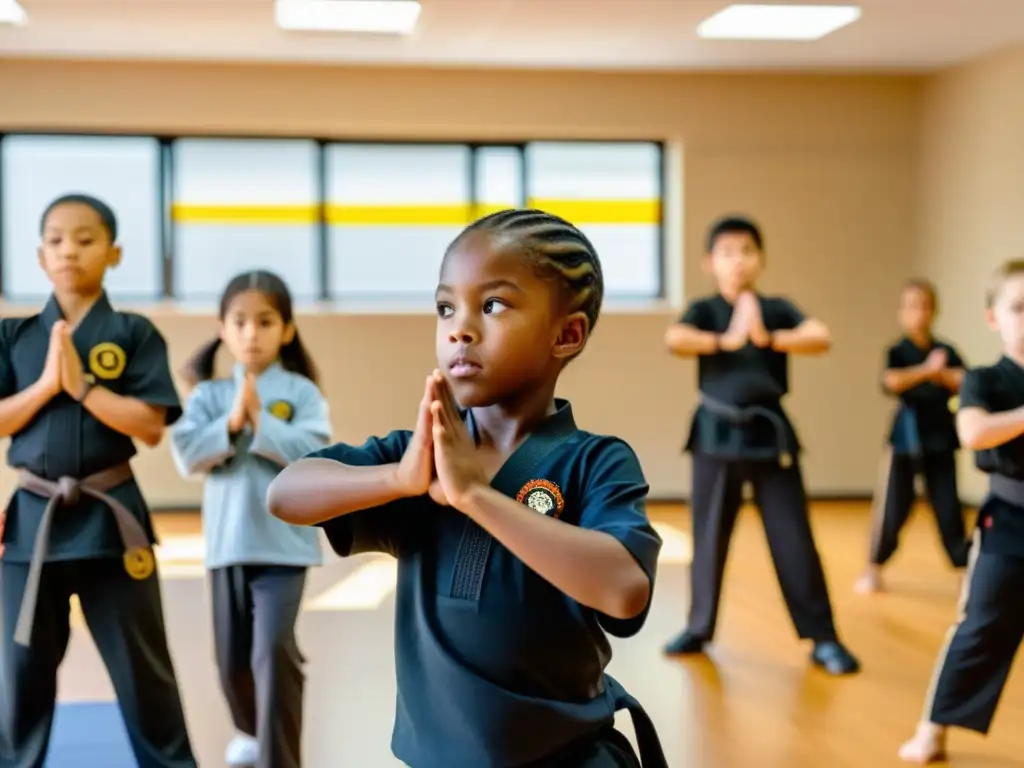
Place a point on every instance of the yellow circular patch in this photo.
(107, 360)
(281, 409)
(954, 403)
(139, 563)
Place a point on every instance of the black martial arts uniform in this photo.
(496, 667)
(740, 433)
(922, 440)
(973, 667)
(77, 524)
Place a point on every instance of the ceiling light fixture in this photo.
(395, 17)
(777, 22)
(11, 12)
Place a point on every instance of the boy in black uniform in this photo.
(78, 382)
(974, 665)
(740, 433)
(521, 539)
(924, 373)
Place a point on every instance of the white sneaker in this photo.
(242, 751)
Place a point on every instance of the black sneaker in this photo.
(833, 657)
(685, 644)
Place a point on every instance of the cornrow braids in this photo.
(558, 250)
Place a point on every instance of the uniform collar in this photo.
(52, 312)
(558, 423)
(238, 372)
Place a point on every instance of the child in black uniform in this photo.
(975, 663)
(78, 382)
(521, 539)
(924, 373)
(741, 433)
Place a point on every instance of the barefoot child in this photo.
(741, 434)
(973, 667)
(924, 373)
(521, 539)
(239, 432)
(80, 382)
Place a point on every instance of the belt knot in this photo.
(69, 490)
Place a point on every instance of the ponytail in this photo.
(296, 358)
(200, 366)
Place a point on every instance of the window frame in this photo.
(166, 185)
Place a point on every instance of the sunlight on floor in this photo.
(363, 589)
(181, 558)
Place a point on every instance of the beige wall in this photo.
(828, 164)
(972, 198)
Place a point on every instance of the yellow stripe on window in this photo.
(580, 212)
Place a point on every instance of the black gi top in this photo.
(125, 353)
(751, 376)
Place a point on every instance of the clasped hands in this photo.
(246, 409)
(441, 458)
(935, 365)
(63, 370)
(747, 324)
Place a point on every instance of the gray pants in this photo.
(254, 612)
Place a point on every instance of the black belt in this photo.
(741, 415)
(138, 558)
(1007, 489)
(648, 745)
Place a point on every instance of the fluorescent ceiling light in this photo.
(777, 22)
(12, 13)
(397, 17)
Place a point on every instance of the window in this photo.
(244, 204)
(123, 171)
(353, 222)
(392, 210)
(611, 191)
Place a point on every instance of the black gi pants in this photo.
(897, 500)
(125, 618)
(779, 494)
(975, 663)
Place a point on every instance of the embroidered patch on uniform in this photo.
(139, 563)
(281, 409)
(542, 496)
(954, 403)
(107, 360)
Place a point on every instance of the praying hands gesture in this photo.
(441, 457)
(246, 409)
(747, 324)
(72, 374)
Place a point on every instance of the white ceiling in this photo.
(578, 34)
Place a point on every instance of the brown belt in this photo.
(138, 558)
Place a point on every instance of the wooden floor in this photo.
(754, 702)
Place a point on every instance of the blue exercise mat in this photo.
(89, 735)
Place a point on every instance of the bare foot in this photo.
(869, 582)
(927, 746)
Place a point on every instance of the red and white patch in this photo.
(542, 496)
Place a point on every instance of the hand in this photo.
(738, 332)
(72, 375)
(416, 469)
(3, 519)
(53, 373)
(251, 397)
(759, 335)
(935, 363)
(437, 493)
(239, 416)
(458, 467)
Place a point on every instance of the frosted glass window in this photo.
(122, 171)
(499, 179)
(244, 204)
(612, 192)
(392, 210)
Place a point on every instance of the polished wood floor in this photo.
(754, 701)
